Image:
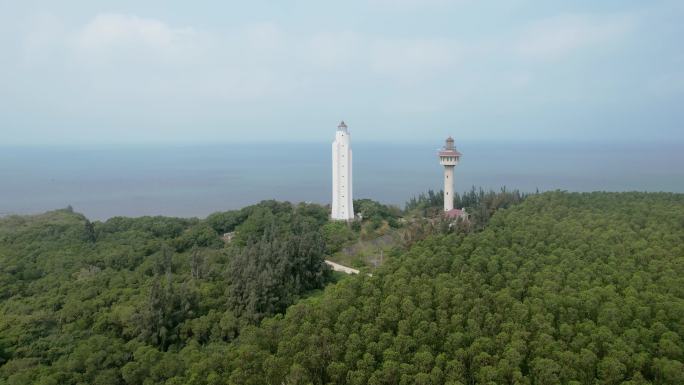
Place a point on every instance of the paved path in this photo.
(344, 269)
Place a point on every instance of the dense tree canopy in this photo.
(561, 288)
(564, 288)
(115, 302)
(480, 204)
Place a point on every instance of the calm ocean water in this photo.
(102, 182)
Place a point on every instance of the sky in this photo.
(161, 71)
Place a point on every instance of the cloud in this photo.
(335, 51)
(422, 59)
(263, 36)
(402, 60)
(107, 30)
(562, 35)
(145, 65)
(133, 56)
(412, 59)
(414, 4)
(45, 32)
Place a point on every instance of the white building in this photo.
(449, 157)
(342, 205)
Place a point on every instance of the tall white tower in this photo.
(342, 204)
(449, 157)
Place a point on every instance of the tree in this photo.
(196, 263)
(571, 288)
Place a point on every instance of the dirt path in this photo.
(344, 269)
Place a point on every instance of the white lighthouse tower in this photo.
(449, 157)
(342, 204)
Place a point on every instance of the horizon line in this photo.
(437, 141)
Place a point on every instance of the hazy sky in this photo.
(179, 71)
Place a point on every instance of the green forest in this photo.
(550, 288)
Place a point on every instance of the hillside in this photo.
(561, 288)
(564, 288)
(82, 302)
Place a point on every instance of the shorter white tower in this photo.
(449, 157)
(342, 203)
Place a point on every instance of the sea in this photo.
(103, 181)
